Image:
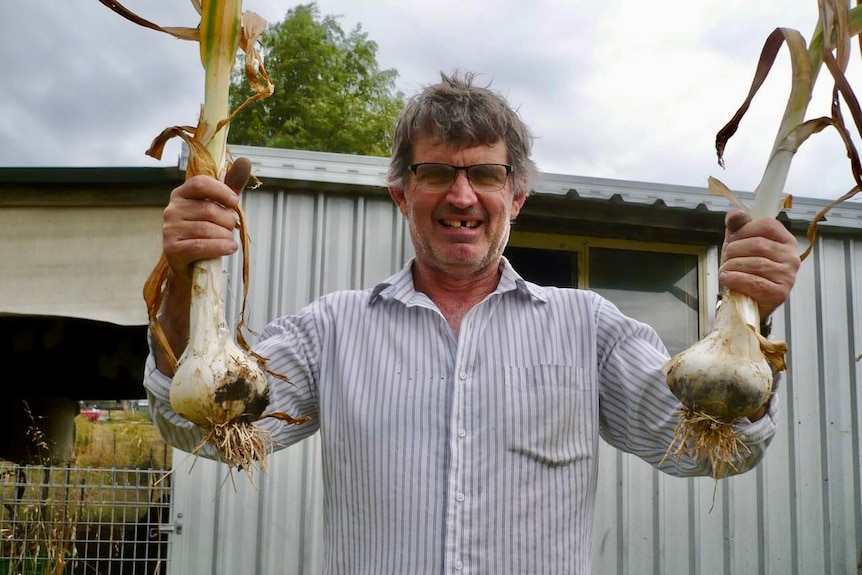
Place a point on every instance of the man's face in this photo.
(458, 232)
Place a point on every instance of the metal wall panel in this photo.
(798, 513)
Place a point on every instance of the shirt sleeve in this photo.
(291, 347)
(637, 411)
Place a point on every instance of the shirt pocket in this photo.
(550, 413)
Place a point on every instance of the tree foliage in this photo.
(330, 94)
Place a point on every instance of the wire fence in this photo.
(84, 521)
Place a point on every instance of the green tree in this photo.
(330, 94)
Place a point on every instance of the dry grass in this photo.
(128, 439)
(56, 520)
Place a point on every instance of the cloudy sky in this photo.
(611, 88)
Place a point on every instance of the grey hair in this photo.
(462, 115)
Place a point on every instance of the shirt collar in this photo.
(400, 286)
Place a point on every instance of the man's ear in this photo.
(397, 195)
(517, 204)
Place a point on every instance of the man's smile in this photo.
(470, 224)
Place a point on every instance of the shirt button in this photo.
(458, 565)
(463, 375)
(462, 433)
(460, 497)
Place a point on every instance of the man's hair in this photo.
(462, 115)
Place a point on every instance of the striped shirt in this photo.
(473, 454)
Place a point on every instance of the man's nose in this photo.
(461, 191)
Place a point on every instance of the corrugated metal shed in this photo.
(324, 221)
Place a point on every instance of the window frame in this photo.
(707, 261)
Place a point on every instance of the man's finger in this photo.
(735, 219)
(237, 177)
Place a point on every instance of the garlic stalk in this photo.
(728, 375)
(217, 385)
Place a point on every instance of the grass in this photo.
(128, 439)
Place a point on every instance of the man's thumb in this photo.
(735, 219)
(238, 175)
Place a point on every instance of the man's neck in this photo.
(455, 294)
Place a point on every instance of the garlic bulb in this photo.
(216, 385)
(722, 378)
(724, 374)
(215, 381)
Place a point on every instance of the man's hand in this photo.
(759, 259)
(199, 220)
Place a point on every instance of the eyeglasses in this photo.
(439, 177)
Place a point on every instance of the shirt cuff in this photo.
(156, 382)
(753, 432)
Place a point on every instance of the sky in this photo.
(616, 89)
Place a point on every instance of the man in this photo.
(459, 406)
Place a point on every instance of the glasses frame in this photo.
(455, 169)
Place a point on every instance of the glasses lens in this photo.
(482, 177)
(487, 177)
(435, 176)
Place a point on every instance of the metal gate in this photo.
(83, 521)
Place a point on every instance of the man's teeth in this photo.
(460, 224)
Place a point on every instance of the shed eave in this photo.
(345, 172)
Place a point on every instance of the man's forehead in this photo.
(435, 144)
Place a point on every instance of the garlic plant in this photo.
(218, 384)
(728, 375)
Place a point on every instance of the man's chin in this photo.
(465, 266)
(466, 258)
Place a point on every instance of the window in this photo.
(545, 267)
(657, 288)
(659, 284)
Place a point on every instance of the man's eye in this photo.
(483, 174)
(437, 175)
